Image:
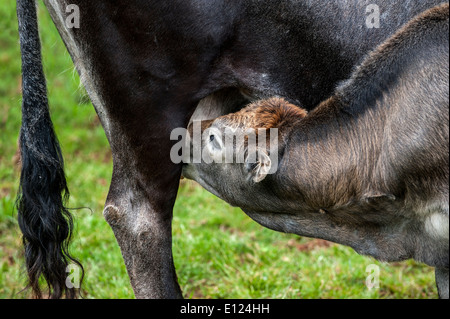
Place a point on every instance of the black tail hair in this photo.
(44, 220)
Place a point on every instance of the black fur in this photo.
(149, 63)
(45, 222)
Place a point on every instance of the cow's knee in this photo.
(112, 215)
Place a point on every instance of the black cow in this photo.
(148, 65)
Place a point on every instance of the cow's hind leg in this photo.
(145, 241)
(442, 282)
(139, 210)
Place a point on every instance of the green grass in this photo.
(219, 252)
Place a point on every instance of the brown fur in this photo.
(274, 112)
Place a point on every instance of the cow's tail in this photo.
(44, 220)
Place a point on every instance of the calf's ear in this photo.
(257, 165)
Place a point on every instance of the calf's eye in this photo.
(215, 142)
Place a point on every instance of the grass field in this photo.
(218, 251)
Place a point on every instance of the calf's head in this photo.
(237, 156)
